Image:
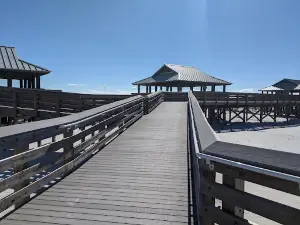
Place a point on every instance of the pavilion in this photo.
(288, 86)
(171, 76)
(13, 68)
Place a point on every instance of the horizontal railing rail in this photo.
(237, 164)
(39, 153)
(35, 103)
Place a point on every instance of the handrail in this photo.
(237, 163)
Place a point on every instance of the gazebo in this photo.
(288, 86)
(13, 68)
(171, 76)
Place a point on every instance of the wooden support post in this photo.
(161, 88)
(171, 88)
(18, 150)
(155, 88)
(21, 83)
(25, 83)
(9, 82)
(139, 89)
(38, 81)
(29, 83)
(261, 114)
(178, 89)
(208, 201)
(150, 89)
(213, 88)
(68, 148)
(191, 88)
(224, 88)
(57, 106)
(147, 89)
(237, 184)
(33, 82)
(167, 88)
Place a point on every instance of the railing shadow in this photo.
(255, 126)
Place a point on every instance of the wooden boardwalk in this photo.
(139, 178)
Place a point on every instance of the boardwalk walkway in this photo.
(139, 178)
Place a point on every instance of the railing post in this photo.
(57, 105)
(15, 105)
(207, 201)
(68, 148)
(237, 184)
(146, 105)
(18, 150)
(35, 104)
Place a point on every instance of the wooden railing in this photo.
(41, 152)
(36, 103)
(227, 98)
(237, 163)
(232, 98)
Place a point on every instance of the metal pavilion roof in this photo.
(9, 62)
(172, 73)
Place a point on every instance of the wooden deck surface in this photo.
(139, 178)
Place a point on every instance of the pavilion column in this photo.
(177, 89)
(149, 88)
(33, 82)
(155, 88)
(25, 83)
(167, 88)
(171, 88)
(21, 83)
(224, 88)
(201, 88)
(161, 88)
(139, 89)
(9, 82)
(38, 81)
(191, 88)
(29, 83)
(213, 88)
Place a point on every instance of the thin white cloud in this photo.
(104, 92)
(72, 84)
(246, 90)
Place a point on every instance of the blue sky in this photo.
(105, 45)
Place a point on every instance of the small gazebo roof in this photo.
(285, 84)
(181, 74)
(271, 88)
(13, 67)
